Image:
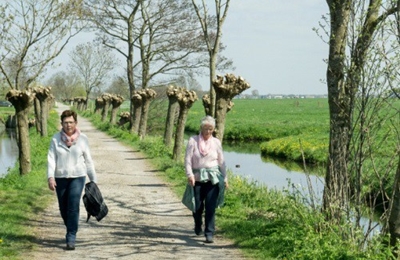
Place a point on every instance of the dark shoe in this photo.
(209, 239)
(197, 231)
(70, 247)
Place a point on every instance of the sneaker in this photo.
(209, 239)
(70, 247)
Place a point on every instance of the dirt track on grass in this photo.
(146, 220)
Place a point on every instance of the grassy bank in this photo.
(22, 198)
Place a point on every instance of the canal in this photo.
(8, 150)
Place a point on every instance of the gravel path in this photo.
(146, 220)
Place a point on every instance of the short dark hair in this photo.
(68, 113)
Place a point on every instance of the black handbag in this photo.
(94, 202)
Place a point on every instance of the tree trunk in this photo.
(44, 111)
(343, 83)
(143, 118)
(133, 122)
(147, 96)
(394, 218)
(116, 102)
(22, 101)
(104, 113)
(180, 133)
(213, 98)
(207, 104)
(186, 100)
(220, 114)
(172, 109)
(38, 125)
(43, 94)
(169, 123)
(113, 118)
(23, 140)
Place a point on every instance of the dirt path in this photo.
(145, 220)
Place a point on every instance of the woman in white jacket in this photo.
(69, 161)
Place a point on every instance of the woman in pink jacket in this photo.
(206, 173)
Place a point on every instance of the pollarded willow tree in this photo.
(22, 101)
(35, 34)
(36, 106)
(123, 118)
(226, 88)
(44, 96)
(80, 103)
(98, 105)
(173, 107)
(186, 99)
(107, 101)
(147, 96)
(116, 102)
(137, 102)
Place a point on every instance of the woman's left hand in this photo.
(226, 185)
(52, 184)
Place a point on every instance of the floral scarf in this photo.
(70, 140)
(205, 146)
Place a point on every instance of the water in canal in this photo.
(245, 160)
(8, 150)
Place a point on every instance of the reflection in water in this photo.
(253, 168)
(244, 159)
(275, 174)
(8, 151)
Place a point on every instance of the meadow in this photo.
(280, 126)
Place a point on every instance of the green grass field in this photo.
(282, 127)
(266, 119)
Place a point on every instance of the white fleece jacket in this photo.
(73, 162)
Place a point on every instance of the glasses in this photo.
(68, 122)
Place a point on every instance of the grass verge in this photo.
(22, 198)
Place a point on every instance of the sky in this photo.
(272, 45)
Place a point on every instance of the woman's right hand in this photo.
(52, 184)
(191, 181)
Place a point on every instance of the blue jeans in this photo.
(205, 195)
(69, 191)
